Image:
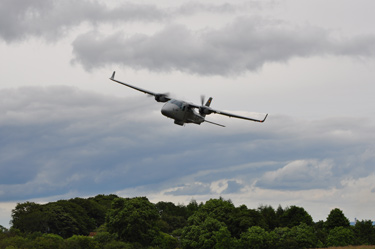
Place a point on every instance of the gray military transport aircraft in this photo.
(183, 112)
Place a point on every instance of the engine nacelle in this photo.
(203, 110)
(161, 97)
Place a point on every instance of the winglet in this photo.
(113, 75)
(264, 118)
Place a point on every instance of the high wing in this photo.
(160, 97)
(209, 110)
(238, 116)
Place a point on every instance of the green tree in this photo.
(218, 209)
(293, 216)
(269, 216)
(64, 218)
(280, 238)
(279, 212)
(364, 232)
(47, 241)
(83, 223)
(255, 238)
(244, 218)
(304, 236)
(16, 242)
(165, 241)
(27, 217)
(104, 237)
(94, 213)
(336, 218)
(3, 229)
(105, 201)
(193, 207)
(321, 233)
(209, 234)
(56, 220)
(173, 217)
(133, 220)
(340, 236)
(81, 242)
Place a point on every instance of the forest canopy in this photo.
(110, 221)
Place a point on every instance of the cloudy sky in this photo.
(67, 131)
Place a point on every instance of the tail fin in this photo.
(208, 102)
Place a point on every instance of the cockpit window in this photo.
(178, 103)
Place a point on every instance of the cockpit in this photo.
(180, 104)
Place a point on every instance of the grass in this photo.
(352, 247)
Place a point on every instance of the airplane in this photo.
(183, 112)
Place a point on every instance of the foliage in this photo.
(210, 233)
(269, 215)
(66, 217)
(336, 218)
(133, 220)
(293, 216)
(244, 218)
(364, 232)
(136, 223)
(340, 236)
(165, 241)
(304, 236)
(172, 217)
(81, 242)
(255, 238)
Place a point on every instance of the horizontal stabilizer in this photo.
(214, 123)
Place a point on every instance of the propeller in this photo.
(161, 97)
(202, 99)
(204, 109)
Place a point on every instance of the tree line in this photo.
(136, 223)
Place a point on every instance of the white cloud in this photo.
(300, 174)
(52, 19)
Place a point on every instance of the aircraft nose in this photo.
(167, 110)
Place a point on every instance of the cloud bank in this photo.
(57, 140)
(246, 43)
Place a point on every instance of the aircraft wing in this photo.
(160, 97)
(238, 116)
(209, 110)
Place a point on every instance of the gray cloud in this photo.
(245, 45)
(233, 187)
(60, 140)
(51, 19)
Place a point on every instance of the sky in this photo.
(67, 131)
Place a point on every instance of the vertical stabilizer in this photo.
(208, 103)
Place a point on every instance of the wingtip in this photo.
(113, 75)
(265, 118)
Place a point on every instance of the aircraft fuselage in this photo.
(180, 112)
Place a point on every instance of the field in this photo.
(352, 247)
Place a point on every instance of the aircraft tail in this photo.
(208, 103)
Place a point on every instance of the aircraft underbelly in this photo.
(191, 117)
